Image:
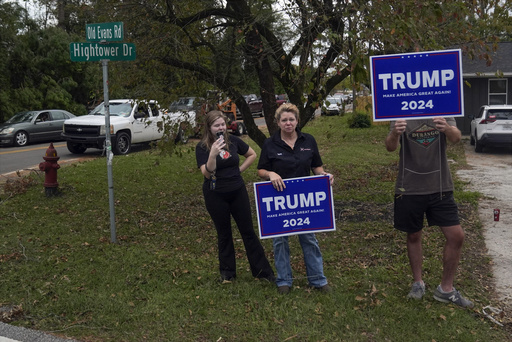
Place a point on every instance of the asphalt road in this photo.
(9, 333)
(14, 159)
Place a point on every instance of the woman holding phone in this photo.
(225, 195)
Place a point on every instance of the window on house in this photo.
(498, 91)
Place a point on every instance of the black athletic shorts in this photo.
(440, 210)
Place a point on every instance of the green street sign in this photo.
(107, 32)
(92, 52)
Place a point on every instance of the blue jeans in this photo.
(312, 259)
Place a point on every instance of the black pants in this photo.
(221, 206)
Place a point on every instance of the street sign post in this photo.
(104, 32)
(100, 48)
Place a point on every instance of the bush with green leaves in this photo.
(359, 120)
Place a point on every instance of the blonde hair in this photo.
(208, 137)
(289, 108)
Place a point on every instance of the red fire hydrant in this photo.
(50, 168)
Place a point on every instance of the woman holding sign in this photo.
(289, 153)
(225, 195)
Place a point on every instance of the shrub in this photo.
(359, 120)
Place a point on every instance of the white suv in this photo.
(492, 127)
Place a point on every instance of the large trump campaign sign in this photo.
(417, 85)
(304, 206)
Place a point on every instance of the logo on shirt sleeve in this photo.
(424, 135)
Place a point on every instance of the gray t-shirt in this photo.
(423, 167)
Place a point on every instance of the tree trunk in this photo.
(261, 63)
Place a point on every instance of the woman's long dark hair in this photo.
(208, 138)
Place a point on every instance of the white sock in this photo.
(440, 289)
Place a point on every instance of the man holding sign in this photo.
(424, 186)
(290, 153)
(422, 93)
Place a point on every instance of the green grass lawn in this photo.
(159, 282)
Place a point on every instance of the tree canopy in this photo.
(35, 68)
(302, 48)
(305, 48)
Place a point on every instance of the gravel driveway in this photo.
(490, 173)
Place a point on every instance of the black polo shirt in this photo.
(278, 157)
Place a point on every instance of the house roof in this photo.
(501, 62)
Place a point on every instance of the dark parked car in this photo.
(256, 105)
(187, 104)
(32, 126)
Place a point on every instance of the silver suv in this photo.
(492, 127)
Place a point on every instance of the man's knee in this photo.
(414, 238)
(454, 235)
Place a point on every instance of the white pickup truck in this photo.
(131, 122)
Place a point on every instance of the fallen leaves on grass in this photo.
(9, 313)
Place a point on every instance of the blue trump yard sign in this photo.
(417, 85)
(305, 206)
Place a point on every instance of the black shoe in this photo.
(283, 289)
(326, 288)
(226, 280)
(271, 278)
